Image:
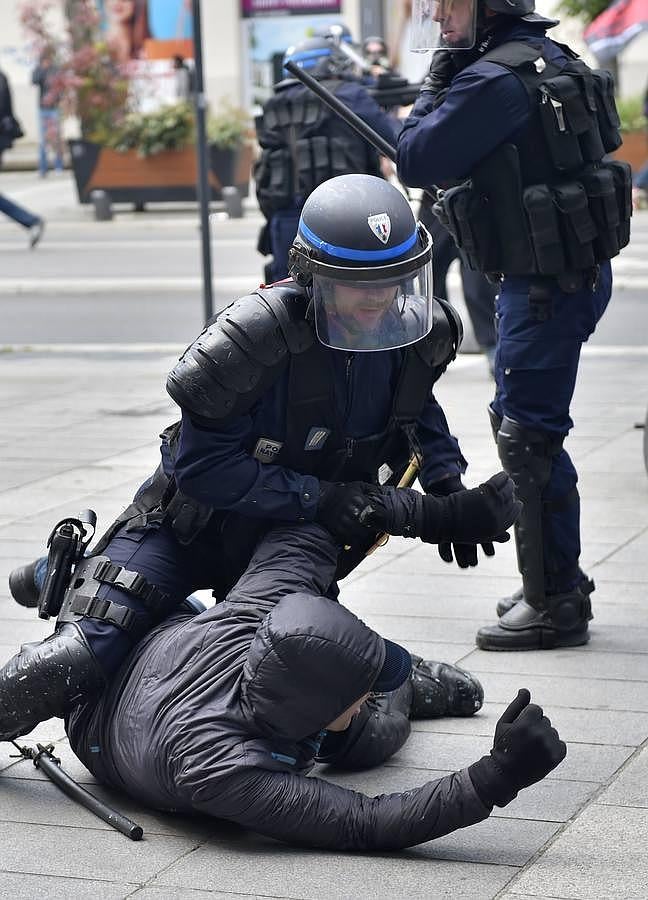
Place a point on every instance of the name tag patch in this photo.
(266, 450)
(316, 438)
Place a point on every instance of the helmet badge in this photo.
(380, 224)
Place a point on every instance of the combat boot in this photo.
(586, 586)
(441, 689)
(563, 623)
(46, 679)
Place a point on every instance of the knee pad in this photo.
(526, 455)
(378, 731)
(495, 422)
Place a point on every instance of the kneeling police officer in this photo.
(292, 399)
(516, 127)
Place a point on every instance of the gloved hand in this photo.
(340, 509)
(525, 749)
(465, 555)
(465, 517)
(439, 77)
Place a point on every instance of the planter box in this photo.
(634, 149)
(167, 176)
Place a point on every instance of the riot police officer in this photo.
(516, 127)
(290, 398)
(303, 143)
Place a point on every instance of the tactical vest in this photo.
(549, 204)
(303, 145)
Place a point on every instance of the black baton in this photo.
(343, 111)
(44, 759)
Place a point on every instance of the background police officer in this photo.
(529, 124)
(303, 143)
(290, 399)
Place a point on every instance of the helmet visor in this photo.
(373, 315)
(443, 24)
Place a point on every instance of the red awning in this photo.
(615, 27)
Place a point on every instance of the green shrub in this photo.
(631, 113)
(228, 126)
(168, 128)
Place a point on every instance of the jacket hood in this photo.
(309, 661)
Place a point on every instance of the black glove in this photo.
(340, 509)
(464, 554)
(465, 517)
(439, 77)
(525, 749)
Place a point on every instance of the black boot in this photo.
(562, 624)
(586, 586)
(23, 583)
(45, 680)
(441, 689)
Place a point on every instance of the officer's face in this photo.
(456, 20)
(363, 308)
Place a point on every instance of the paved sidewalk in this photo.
(80, 430)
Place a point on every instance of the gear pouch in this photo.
(606, 111)
(564, 116)
(544, 230)
(470, 224)
(576, 225)
(602, 202)
(622, 175)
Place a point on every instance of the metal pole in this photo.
(202, 185)
(44, 759)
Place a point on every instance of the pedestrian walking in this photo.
(49, 119)
(10, 131)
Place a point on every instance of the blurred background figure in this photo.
(303, 144)
(10, 131)
(127, 27)
(375, 52)
(49, 121)
(183, 78)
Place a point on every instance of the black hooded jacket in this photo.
(223, 712)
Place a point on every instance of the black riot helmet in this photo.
(367, 263)
(522, 9)
(319, 56)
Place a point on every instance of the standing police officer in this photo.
(523, 125)
(290, 398)
(303, 143)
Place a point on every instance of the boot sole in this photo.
(542, 641)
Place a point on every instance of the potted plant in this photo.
(634, 131)
(132, 156)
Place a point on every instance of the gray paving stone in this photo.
(102, 853)
(40, 887)
(601, 854)
(584, 762)
(311, 876)
(629, 788)
(177, 893)
(580, 662)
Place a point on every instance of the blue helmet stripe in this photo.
(357, 255)
(307, 58)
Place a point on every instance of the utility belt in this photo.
(554, 230)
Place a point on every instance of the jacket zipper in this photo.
(348, 375)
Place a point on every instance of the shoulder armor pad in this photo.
(442, 343)
(241, 354)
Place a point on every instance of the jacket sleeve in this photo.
(314, 813)
(364, 105)
(442, 457)
(213, 466)
(485, 105)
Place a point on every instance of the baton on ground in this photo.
(44, 759)
(343, 111)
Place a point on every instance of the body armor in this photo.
(549, 204)
(303, 145)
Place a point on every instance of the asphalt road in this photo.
(137, 278)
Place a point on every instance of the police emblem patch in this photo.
(380, 224)
(316, 438)
(266, 450)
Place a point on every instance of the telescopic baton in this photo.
(44, 759)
